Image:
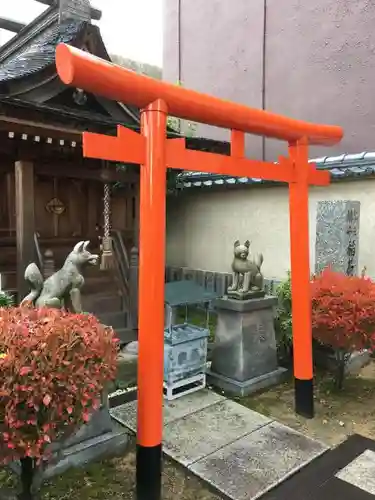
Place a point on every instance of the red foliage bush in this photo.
(53, 367)
(343, 311)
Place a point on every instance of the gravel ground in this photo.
(115, 479)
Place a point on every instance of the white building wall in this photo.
(204, 223)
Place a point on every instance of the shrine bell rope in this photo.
(106, 261)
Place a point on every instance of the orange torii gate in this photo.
(153, 151)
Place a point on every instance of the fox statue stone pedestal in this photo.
(244, 356)
(101, 436)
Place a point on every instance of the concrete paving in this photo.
(239, 452)
(360, 472)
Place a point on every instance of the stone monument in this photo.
(337, 236)
(336, 246)
(100, 437)
(244, 356)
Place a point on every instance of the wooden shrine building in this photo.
(51, 197)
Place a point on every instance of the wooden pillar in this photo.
(300, 277)
(92, 207)
(10, 202)
(25, 221)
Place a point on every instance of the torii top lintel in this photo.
(83, 70)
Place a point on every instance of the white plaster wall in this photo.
(203, 224)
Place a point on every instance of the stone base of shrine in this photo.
(255, 384)
(111, 444)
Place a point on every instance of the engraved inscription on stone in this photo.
(74, 9)
(258, 330)
(337, 236)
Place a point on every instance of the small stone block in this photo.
(167, 274)
(237, 388)
(254, 304)
(100, 423)
(201, 433)
(210, 281)
(188, 274)
(360, 472)
(127, 364)
(251, 294)
(127, 414)
(200, 277)
(108, 445)
(220, 284)
(254, 464)
(176, 273)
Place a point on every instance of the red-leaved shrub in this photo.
(343, 311)
(53, 367)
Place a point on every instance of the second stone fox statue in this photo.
(247, 275)
(63, 288)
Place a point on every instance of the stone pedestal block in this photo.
(100, 438)
(244, 357)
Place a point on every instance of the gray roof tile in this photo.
(340, 167)
(40, 53)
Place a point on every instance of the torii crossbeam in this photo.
(154, 152)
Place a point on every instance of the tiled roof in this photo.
(341, 167)
(40, 53)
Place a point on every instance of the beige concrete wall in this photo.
(203, 224)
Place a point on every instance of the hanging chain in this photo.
(107, 210)
(106, 261)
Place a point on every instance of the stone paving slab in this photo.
(126, 414)
(203, 432)
(360, 472)
(241, 453)
(252, 465)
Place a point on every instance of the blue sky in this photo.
(130, 28)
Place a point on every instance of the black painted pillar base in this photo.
(149, 460)
(27, 475)
(304, 397)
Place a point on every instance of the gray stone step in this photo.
(98, 283)
(8, 279)
(102, 303)
(116, 319)
(126, 335)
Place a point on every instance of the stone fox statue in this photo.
(63, 288)
(248, 270)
